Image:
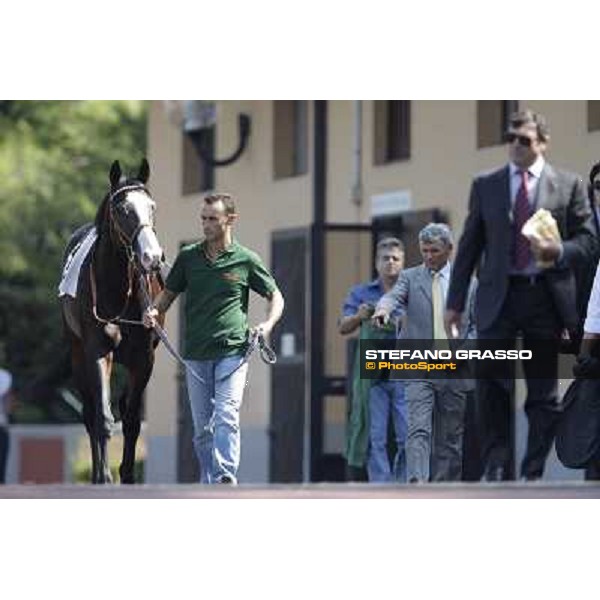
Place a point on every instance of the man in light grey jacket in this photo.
(436, 406)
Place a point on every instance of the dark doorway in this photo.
(347, 259)
(406, 226)
(289, 250)
(188, 470)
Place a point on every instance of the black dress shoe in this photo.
(592, 471)
(494, 474)
(531, 478)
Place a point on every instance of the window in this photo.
(593, 115)
(392, 130)
(197, 174)
(290, 138)
(492, 121)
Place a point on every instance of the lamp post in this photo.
(197, 116)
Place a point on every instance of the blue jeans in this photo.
(385, 398)
(215, 407)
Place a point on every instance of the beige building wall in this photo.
(264, 205)
(444, 158)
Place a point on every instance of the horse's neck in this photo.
(108, 255)
(111, 273)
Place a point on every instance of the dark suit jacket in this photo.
(487, 239)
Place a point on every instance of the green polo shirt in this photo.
(216, 307)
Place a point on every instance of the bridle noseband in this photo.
(127, 241)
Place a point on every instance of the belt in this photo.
(532, 279)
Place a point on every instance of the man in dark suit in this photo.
(516, 295)
(585, 279)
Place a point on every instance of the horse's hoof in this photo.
(126, 477)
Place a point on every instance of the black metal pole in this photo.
(318, 266)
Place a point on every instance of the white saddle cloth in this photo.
(70, 274)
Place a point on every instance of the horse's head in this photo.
(131, 212)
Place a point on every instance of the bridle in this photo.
(126, 241)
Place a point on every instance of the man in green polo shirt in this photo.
(217, 274)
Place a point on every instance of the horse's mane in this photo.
(101, 214)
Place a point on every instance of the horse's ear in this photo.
(144, 172)
(115, 174)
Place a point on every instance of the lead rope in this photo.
(268, 356)
(95, 295)
(162, 334)
(257, 340)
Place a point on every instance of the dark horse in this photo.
(117, 280)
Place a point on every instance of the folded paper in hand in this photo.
(541, 226)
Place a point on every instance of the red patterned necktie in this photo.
(521, 213)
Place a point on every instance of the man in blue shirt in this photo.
(374, 401)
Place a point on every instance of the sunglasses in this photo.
(596, 186)
(523, 140)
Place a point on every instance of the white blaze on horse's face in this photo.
(146, 243)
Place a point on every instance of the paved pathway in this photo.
(538, 490)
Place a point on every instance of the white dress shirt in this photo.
(444, 280)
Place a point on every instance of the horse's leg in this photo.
(138, 378)
(98, 371)
(106, 420)
(80, 380)
(88, 421)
